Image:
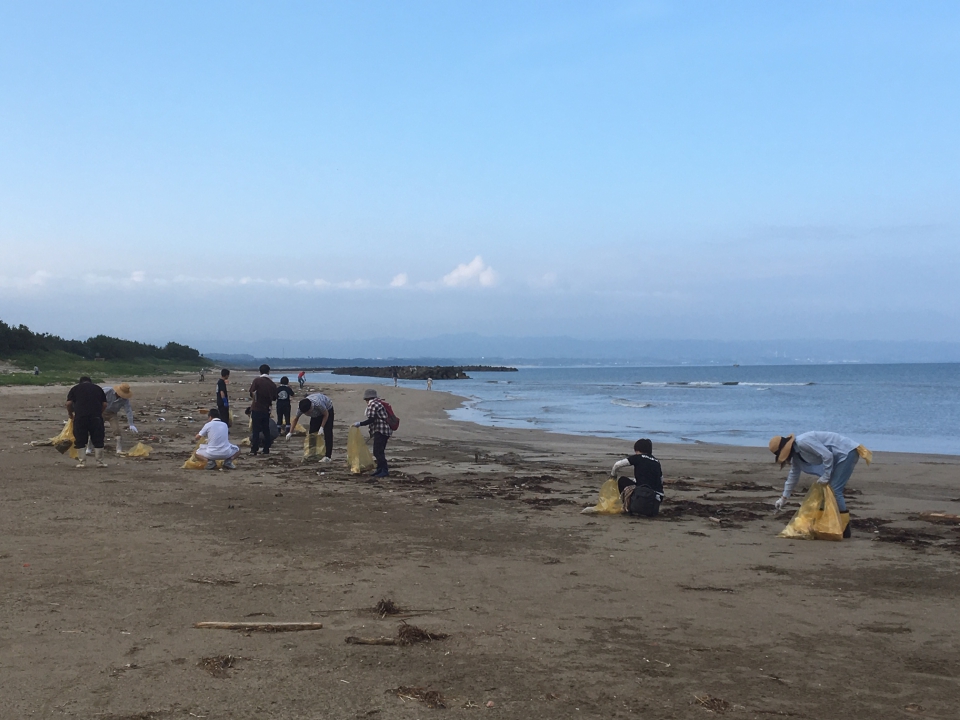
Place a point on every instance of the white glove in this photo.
(289, 435)
(356, 424)
(133, 429)
(779, 503)
(822, 480)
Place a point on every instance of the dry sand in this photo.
(550, 613)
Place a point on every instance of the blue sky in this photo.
(693, 170)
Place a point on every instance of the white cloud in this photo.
(399, 280)
(138, 276)
(547, 280)
(476, 272)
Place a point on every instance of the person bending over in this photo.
(85, 405)
(319, 408)
(642, 493)
(829, 456)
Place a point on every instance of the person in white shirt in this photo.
(218, 445)
(829, 456)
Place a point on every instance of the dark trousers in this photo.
(88, 427)
(380, 452)
(327, 430)
(260, 423)
(224, 413)
(283, 414)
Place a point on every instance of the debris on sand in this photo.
(430, 698)
(260, 626)
(406, 635)
(213, 581)
(386, 606)
(411, 634)
(713, 704)
(217, 665)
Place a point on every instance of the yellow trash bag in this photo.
(818, 517)
(64, 441)
(140, 450)
(314, 446)
(359, 458)
(195, 462)
(610, 503)
(302, 428)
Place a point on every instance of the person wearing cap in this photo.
(118, 399)
(319, 408)
(829, 456)
(378, 421)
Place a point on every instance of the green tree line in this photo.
(21, 340)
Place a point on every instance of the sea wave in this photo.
(630, 403)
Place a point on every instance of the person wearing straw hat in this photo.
(118, 398)
(829, 456)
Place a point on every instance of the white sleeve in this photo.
(617, 465)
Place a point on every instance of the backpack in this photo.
(644, 501)
(392, 420)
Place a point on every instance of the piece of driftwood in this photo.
(260, 626)
(406, 635)
(353, 640)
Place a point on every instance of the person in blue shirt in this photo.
(829, 456)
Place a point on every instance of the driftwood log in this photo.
(260, 626)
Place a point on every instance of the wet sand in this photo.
(478, 534)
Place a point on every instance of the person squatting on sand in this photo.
(218, 445)
(223, 400)
(829, 456)
(378, 420)
(263, 391)
(118, 398)
(319, 408)
(284, 395)
(85, 405)
(643, 493)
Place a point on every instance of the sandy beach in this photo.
(477, 535)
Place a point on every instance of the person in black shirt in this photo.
(85, 405)
(646, 485)
(223, 401)
(284, 393)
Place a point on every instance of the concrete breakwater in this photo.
(420, 372)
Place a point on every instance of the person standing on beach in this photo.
(829, 456)
(302, 378)
(85, 405)
(396, 376)
(319, 408)
(118, 399)
(284, 395)
(378, 420)
(646, 486)
(223, 400)
(263, 391)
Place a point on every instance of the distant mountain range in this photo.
(475, 349)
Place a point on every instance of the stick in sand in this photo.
(262, 626)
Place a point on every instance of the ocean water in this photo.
(909, 408)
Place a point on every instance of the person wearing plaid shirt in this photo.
(378, 422)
